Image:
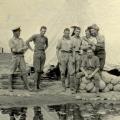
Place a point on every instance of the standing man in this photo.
(86, 42)
(41, 44)
(99, 43)
(65, 58)
(77, 42)
(18, 48)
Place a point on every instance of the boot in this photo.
(63, 83)
(24, 78)
(10, 83)
(39, 80)
(72, 84)
(36, 81)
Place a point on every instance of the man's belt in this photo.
(90, 68)
(66, 51)
(18, 53)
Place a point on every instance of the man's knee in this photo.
(96, 76)
(79, 75)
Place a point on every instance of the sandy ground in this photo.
(51, 94)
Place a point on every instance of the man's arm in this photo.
(58, 50)
(84, 44)
(83, 70)
(24, 47)
(97, 64)
(28, 42)
(82, 67)
(12, 46)
(95, 71)
(46, 42)
(102, 42)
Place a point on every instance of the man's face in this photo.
(77, 32)
(17, 33)
(43, 31)
(90, 53)
(87, 32)
(66, 33)
(93, 32)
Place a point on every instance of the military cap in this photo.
(94, 26)
(15, 28)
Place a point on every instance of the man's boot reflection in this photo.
(23, 114)
(37, 113)
(11, 114)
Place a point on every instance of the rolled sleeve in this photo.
(83, 63)
(11, 44)
(97, 62)
(59, 44)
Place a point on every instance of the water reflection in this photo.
(70, 111)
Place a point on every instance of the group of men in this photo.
(81, 56)
(19, 47)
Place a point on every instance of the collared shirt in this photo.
(85, 44)
(93, 40)
(16, 44)
(40, 42)
(76, 43)
(100, 46)
(65, 44)
(90, 63)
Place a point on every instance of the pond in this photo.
(69, 111)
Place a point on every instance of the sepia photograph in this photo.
(59, 60)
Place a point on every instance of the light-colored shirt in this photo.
(16, 44)
(65, 44)
(93, 40)
(77, 42)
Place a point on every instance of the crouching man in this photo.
(89, 68)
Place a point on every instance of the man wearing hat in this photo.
(99, 42)
(18, 48)
(41, 44)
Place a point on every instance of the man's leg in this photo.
(63, 67)
(78, 79)
(97, 82)
(42, 63)
(12, 70)
(23, 72)
(36, 64)
(71, 71)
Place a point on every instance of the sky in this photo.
(58, 14)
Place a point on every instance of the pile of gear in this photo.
(108, 83)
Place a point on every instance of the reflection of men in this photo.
(37, 113)
(23, 113)
(41, 44)
(18, 48)
(99, 42)
(65, 58)
(90, 67)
